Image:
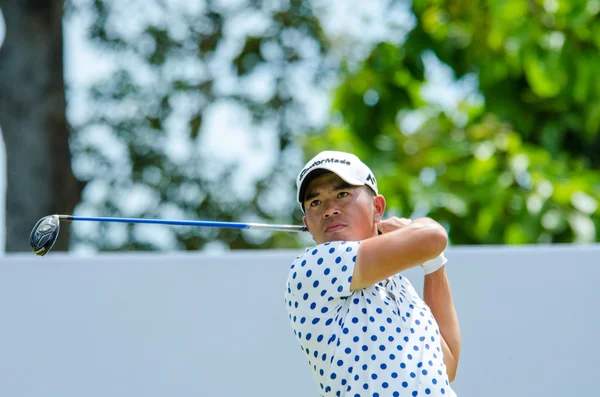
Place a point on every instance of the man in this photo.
(360, 323)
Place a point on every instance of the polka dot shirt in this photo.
(378, 341)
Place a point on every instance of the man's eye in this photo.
(343, 194)
(315, 202)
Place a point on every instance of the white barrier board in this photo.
(192, 324)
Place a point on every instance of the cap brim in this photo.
(320, 171)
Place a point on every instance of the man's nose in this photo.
(331, 211)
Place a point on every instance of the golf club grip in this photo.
(229, 225)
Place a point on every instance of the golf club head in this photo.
(44, 234)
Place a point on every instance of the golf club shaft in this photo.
(230, 225)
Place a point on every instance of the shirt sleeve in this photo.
(321, 277)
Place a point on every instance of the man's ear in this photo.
(304, 221)
(378, 207)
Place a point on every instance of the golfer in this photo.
(360, 324)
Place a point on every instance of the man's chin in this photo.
(339, 235)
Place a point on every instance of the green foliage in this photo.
(519, 166)
(535, 63)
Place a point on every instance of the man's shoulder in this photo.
(328, 248)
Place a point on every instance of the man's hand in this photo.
(394, 223)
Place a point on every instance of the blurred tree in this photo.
(143, 139)
(513, 163)
(32, 117)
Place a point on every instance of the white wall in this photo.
(189, 324)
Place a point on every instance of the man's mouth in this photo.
(334, 228)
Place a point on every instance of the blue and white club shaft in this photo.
(229, 225)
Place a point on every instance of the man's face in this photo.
(337, 211)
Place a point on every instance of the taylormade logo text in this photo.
(324, 161)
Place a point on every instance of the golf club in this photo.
(45, 232)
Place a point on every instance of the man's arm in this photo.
(400, 247)
(438, 297)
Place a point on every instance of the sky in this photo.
(355, 26)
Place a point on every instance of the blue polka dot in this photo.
(327, 271)
(385, 385)
(315, 251)
(299, 286)
(338, 259)
(331, 250)
(348, 350)
(413, 375)
(323, 292)
(394, 375)
(415, 393)
(402, 365)
(303, 263)
(319, 261)
(434, 381)
(348, 249)
(313, 305)
(404, 384)
(344, 268)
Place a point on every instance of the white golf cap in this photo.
(345, 165)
